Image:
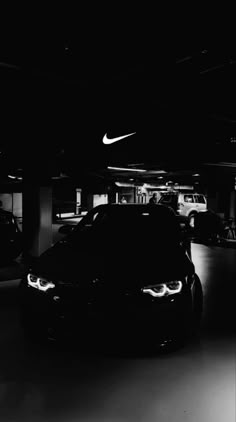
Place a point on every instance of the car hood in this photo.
(116, 265)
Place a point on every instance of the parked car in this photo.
(122, 273)
(10, 237)
(185, 204)
(208, 227)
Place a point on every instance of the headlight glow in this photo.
(164, 289)
(39, 283)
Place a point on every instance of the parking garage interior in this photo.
(58, 100)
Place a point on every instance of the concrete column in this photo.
(232, 206)
(37, 218)
(212, 202)
(134, 195)
(89, 201)
(111, 197)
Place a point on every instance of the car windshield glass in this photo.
(131, 223)
(200, 199)
(188, 198)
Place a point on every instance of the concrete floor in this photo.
(195, 383)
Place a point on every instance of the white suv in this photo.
(186, 204)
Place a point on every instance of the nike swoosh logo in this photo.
(109, 141)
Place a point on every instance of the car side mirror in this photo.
(66, 229)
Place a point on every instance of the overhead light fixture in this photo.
(124, 185)
(157, 171)
(222, 164)
(125, 169)
(136, 164)
(151, 186)
(60, 176)
(162, 187)
(14, 177)
(160, 177)
(196, 174)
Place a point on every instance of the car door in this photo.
(189, 204)
(200, 202)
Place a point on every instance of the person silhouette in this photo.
(153, 199)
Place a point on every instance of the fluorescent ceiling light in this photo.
(125, 169)
(124, 185)
(151, 186)
(221, 164)
(157, 171)
(136, 164)
(14, 177)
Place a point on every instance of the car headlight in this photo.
(39, 283)
(164, 289)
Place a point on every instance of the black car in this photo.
(11, 243)
(124, 273)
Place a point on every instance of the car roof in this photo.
(125, 205)
(154, 208)
(181, 193)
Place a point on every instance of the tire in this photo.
(191, 218)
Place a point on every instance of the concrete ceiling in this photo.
(60, 95)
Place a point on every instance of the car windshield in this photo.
(131, 223)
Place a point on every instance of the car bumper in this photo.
(154, 319)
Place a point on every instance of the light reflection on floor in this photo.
(194, 384)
